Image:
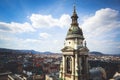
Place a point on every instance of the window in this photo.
(69, 65)
(69, 42)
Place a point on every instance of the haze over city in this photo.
(42, 24)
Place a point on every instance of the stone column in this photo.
(64, 66)
(87, 67)
(61, 70)
(73, 67)
(76, 67)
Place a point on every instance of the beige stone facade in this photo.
(74, 64)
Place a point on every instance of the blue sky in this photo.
(42, 24)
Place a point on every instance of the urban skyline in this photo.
(42, 24)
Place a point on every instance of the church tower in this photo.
(74, 64)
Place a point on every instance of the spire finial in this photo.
(74, 6)
(74, 9)
(74, 16)
(74, 2)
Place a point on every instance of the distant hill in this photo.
(96, 53)
(4, 50)
(102, 54)
(47, 52)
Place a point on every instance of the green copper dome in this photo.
(74, 31)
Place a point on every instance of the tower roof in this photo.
(74, 31)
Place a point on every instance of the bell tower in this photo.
(74, 64)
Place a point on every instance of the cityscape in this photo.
(32, 65)
(82, 44)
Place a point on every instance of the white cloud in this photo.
(37, 21)
(104, 20)
(119, 47)
(44, 35)
(64, 20)
(47, 21)
(19, 43)
(36, 44)
(9, 40)
(101, 29)
(32, 41)
(3, 37)
(16, 27)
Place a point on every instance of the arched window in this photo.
(69, 65)
(82, 63)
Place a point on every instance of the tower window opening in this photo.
(83, 61)
(69, 65)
